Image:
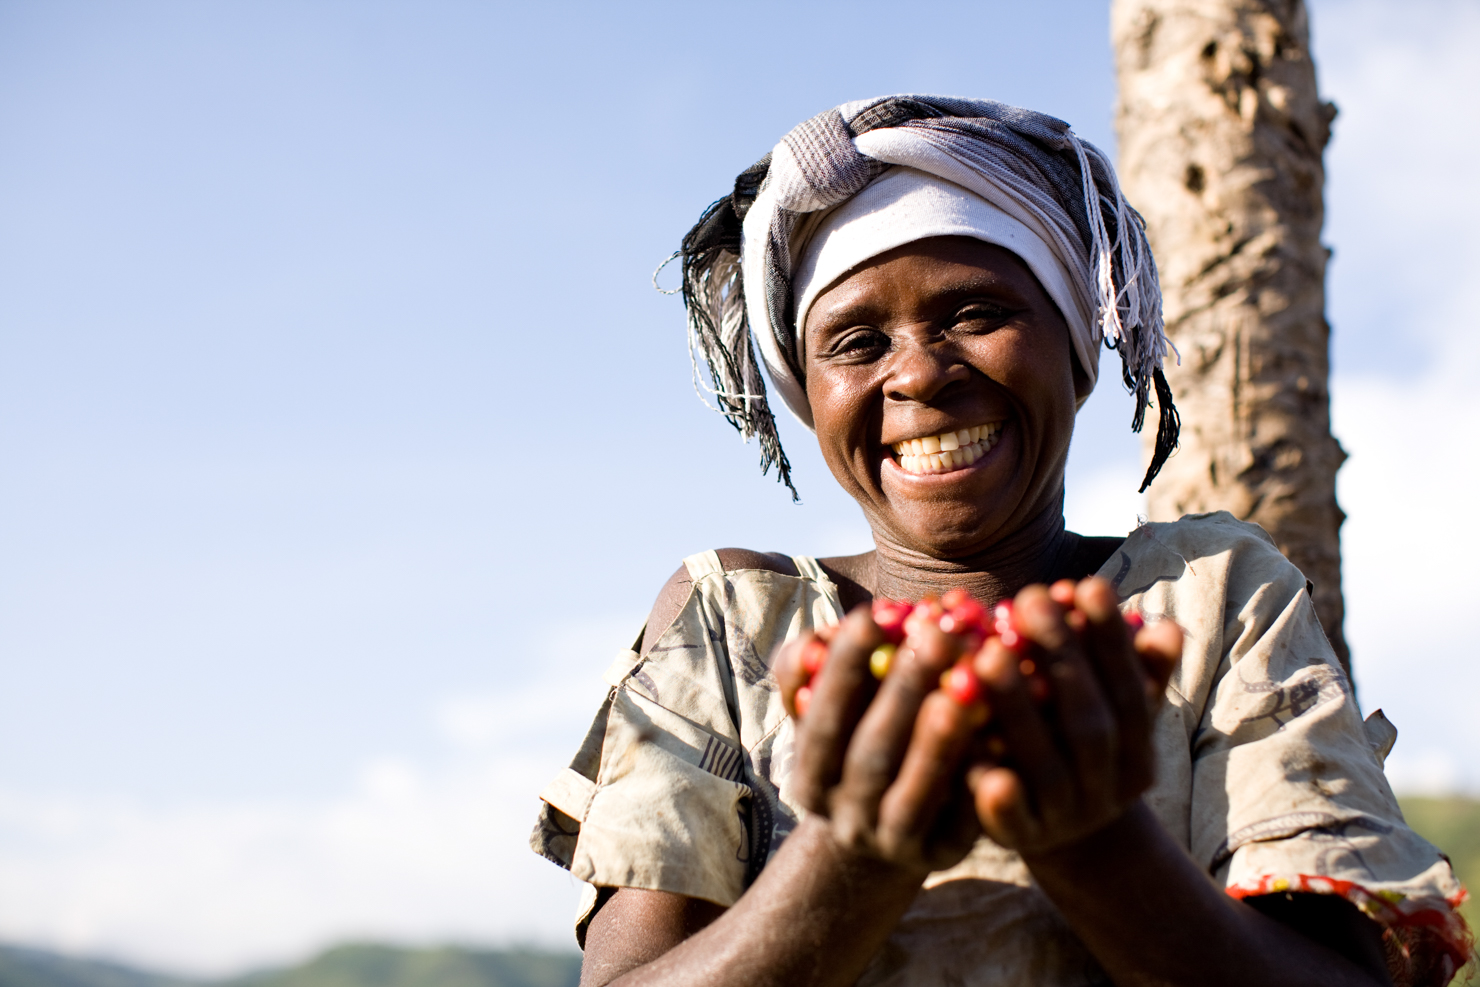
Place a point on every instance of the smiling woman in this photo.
(1159, 774)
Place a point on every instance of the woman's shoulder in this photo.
(677, 591)
(1218, 538)
(1208, 561)
(739, 559)
(1216, 530)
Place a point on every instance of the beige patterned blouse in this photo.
(1266, 772)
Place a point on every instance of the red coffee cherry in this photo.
(926, 613)
(966, 617)
(803, 700)
(1002, 616)
(1004, 624)
(814, 656)
(961, 684)
(890, 615)
(1134, 620)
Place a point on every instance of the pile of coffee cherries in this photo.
(955, 613)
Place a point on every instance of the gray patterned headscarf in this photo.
(740, 259)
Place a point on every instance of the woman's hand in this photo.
(881, 761)
(1081, 759)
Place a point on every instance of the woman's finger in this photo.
(1045, 773)
(910, 808)
(1107, 643)
(790, 674)
(1159, 647)
(1085, 721)
(882, 736)
(841, 692)
(1002, 806)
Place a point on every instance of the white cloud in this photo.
(1429, 772)
(1409, 566)
(409, 850)
(1403, 214)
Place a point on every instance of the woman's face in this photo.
(935, 337)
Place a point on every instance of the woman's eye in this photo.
(861, 343)
(982, 314)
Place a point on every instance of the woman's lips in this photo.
(948, 451)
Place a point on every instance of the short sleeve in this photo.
(657, 818)
(658, 796)
(1288, 789)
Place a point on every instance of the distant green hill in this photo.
(1452, 825)
(21, 967)
(344, 966)
(449, 966)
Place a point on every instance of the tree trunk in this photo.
(1221, 133)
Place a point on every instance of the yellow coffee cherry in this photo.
(879, 661)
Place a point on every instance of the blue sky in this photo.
(344, 437)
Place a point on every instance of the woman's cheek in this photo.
(832, 399)
(837, 402)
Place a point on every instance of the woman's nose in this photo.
(923, 369)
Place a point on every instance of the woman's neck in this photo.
(1036, 553)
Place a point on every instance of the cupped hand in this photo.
(882, 761)
(1079, 760)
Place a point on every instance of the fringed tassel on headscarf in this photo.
(718, 326)
(1168, 428)
(1131, 318)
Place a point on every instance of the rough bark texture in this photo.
(1221, 134)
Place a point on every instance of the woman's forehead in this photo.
(935, 267)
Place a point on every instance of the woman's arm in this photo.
(815, 916)
(1152, 916)
(878, 765)
(1071, 806)
(636, 926)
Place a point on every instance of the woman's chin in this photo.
(943, 529)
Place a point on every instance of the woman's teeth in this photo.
(948, 450)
